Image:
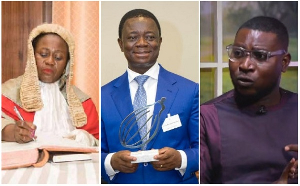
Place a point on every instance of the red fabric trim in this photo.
(8, 108)
(92, 125)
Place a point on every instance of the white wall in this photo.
(179, 52)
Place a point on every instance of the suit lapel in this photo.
(165, 88)
(122, 101)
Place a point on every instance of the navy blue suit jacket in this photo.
(182, 98)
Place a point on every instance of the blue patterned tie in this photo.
(140, 100)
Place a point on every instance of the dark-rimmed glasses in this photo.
(236, 54)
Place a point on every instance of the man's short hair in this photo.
(268, 24)
(138, 13)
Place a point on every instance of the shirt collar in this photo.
(152, 72)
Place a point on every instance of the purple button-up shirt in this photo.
(244, 146)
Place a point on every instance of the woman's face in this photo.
(51, 54)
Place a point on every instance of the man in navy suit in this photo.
(178, 147)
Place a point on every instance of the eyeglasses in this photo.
(236, 54)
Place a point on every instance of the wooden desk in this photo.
(77, 172)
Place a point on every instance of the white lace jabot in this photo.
(54, 117)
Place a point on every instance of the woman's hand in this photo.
(20, 132)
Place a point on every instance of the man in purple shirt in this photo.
(250, 134)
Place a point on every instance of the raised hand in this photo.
(291, 169)
(293, 172)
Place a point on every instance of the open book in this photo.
(37, 153)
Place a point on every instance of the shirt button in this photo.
(145, 164)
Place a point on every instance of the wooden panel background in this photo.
(18, 19)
